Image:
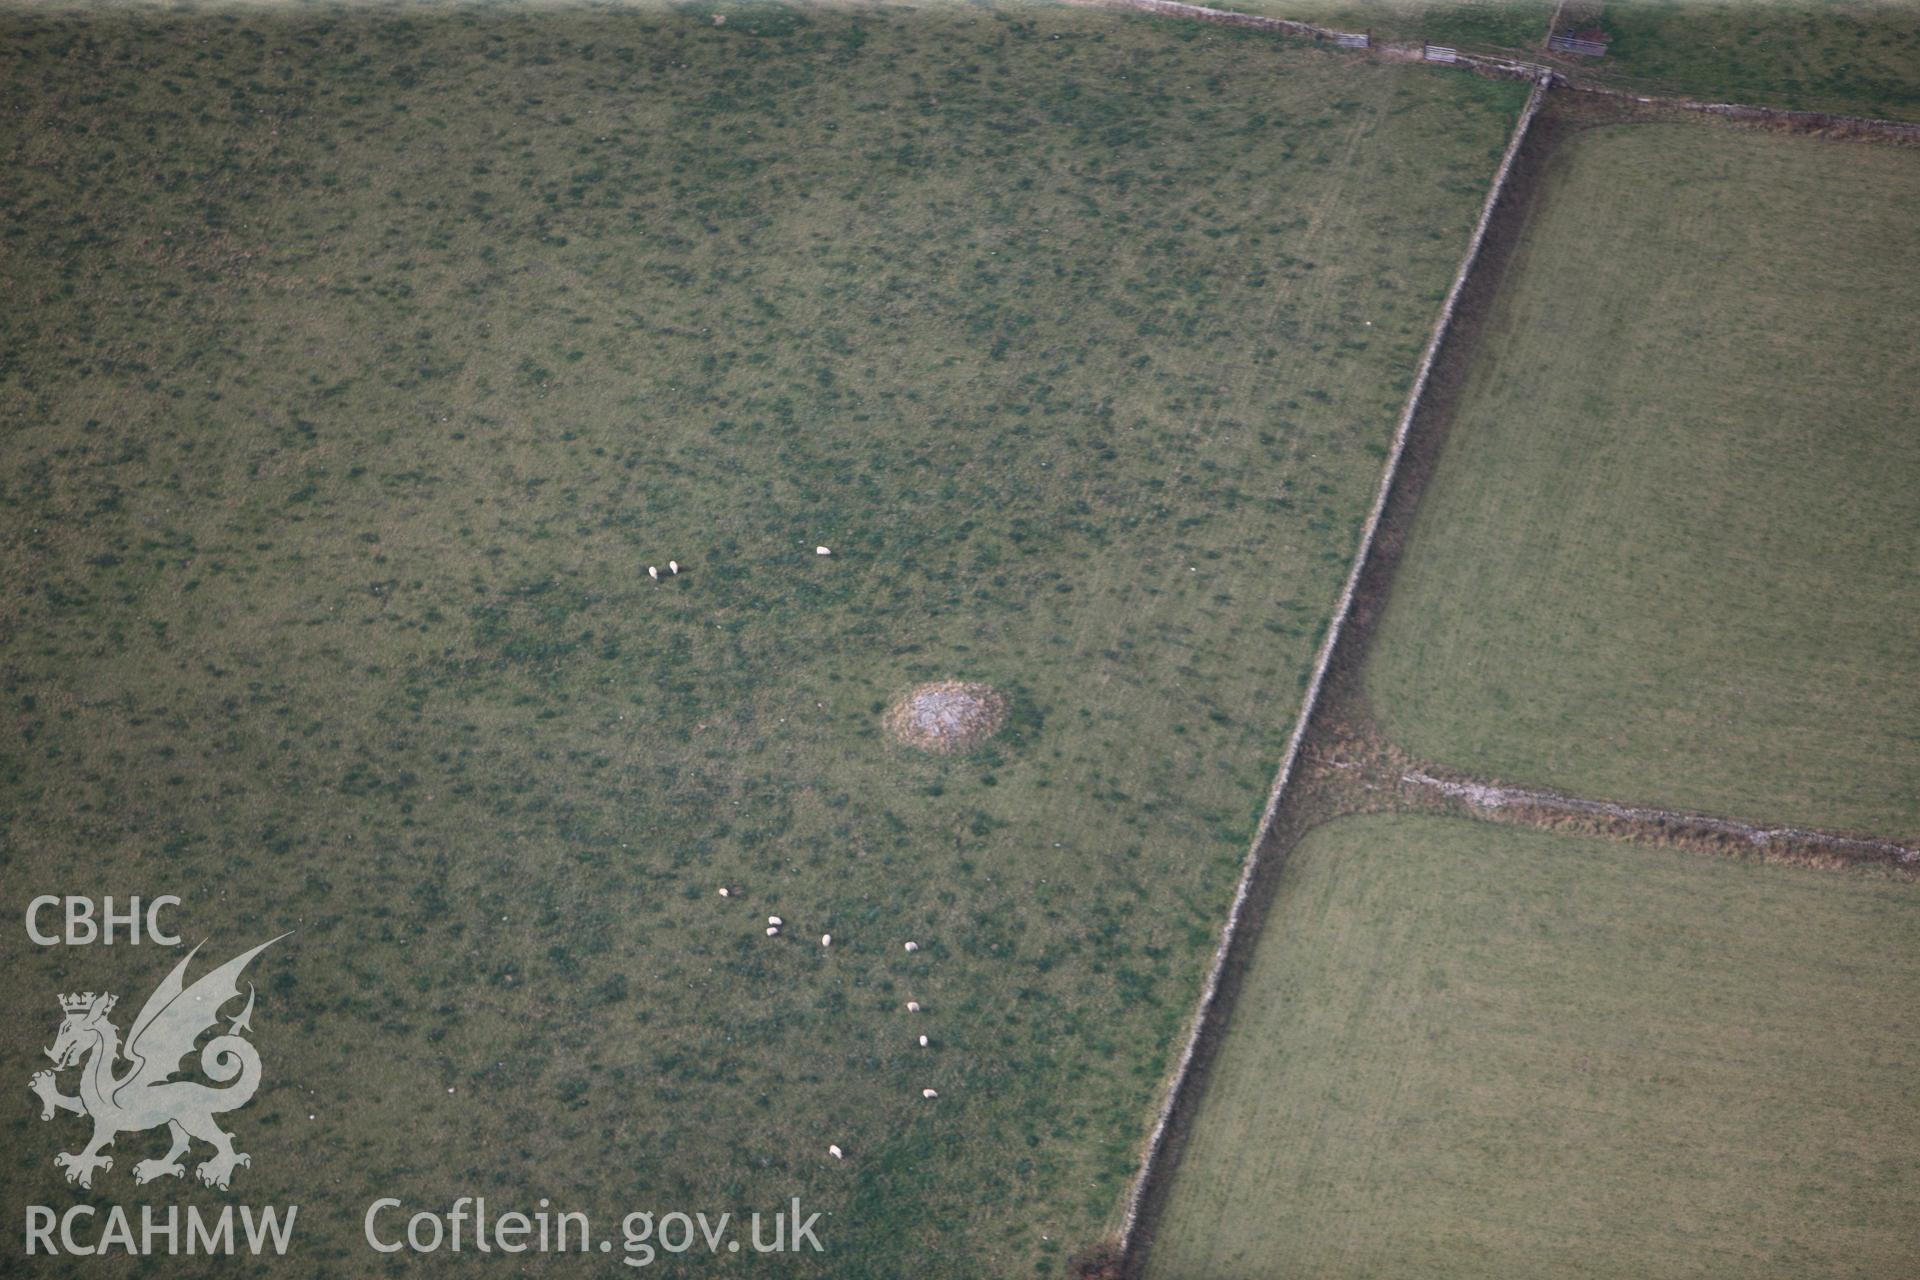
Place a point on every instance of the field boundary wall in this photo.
(1183, 1070)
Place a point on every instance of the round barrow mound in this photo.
(947, 716)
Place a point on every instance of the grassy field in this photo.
(1856, 57)
(359, 362)
(1667, 556)
(1515, 26)
(1476, 1050)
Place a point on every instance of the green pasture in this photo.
(1511, 26)
(357, 363)
(1465, 1049)
(1853, 57)
(1667, 554)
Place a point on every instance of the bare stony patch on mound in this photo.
(947, 716)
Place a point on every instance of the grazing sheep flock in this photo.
(776, 923)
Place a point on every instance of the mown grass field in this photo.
(1474, 1050)
(1667, 554)
(358, 362)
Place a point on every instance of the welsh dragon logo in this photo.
(146, 1096)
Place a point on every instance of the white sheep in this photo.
(913, 1006)
(826, 939)
(913, 946)
(775, 921)
(923, 1042)
(823, 551)
(836, 1152)
(653, 573)
(772, 932)
(673, 566)
(929, 1093)
(723, 892)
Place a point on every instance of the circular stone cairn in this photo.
(947, 716)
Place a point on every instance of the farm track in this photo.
(1488, 797)
(1351, 770)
